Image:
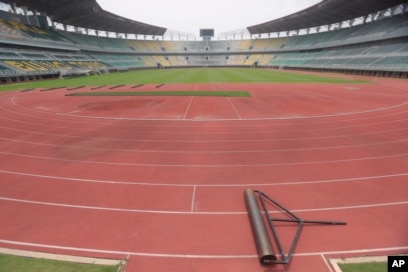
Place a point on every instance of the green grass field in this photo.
(166, 93)
(192, 75)
(364, 267)
(23, 264)
(9, 263)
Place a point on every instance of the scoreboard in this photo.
(207, 32)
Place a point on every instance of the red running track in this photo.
(160, 180)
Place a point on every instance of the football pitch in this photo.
(185, 75)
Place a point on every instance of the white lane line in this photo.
(204, 165)
(107, 209)
(365, 124)
(73, 179)
(249, 119)
(266, 118)
(73, 112)
(212, 141)
(292, 183)
(235, 109)
(192, 256)
(369, 206)
(236, 124)
(283, 118)
(189, 105)
(193, 199)
(326, 262)
(201, 119)
(188, 108)
(91, 207)
(115, 252)
(207, 151)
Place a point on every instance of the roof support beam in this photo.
(326, 13)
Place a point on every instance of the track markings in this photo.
(288, 118)
(235, 109)
(211, 151)
(192, 208)
(193, 202)
(293, 183)
(220, 141)
(188, 108)
(193, 256)
(326, 262)
(247, 119)
(108, 209)
(205, 165)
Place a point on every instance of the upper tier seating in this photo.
(382, 44)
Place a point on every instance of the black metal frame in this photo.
(285, 258)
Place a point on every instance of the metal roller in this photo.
(263, 244)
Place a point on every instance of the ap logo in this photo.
(397, 263)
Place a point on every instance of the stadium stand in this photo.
(370, 41)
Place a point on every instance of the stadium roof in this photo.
(87, 14)
(324, 13)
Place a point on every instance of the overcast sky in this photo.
(192, 15)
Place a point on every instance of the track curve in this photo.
(161, 179)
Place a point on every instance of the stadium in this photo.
(155, 150)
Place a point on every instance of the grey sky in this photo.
(192, 15)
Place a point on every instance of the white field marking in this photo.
(125, 118)
(368, 206)
(107, 209)
(101, 181)
(360, 125)
(326, 122)
(235, 109)
(204, 165)
(326, 262)
(193, 199)
(75, 111)
(245, 119)
(189, 104)
(203, 120)
(188, 108)
(207, 151)
(90, 117)
(59, 257)
(215, 132)
(293, 183)
(216, 141)
(192, 256)
(92, 207)
(164, 119)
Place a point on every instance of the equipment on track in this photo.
(266, 251)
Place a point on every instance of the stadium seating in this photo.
(52, 66)
(378, 45)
